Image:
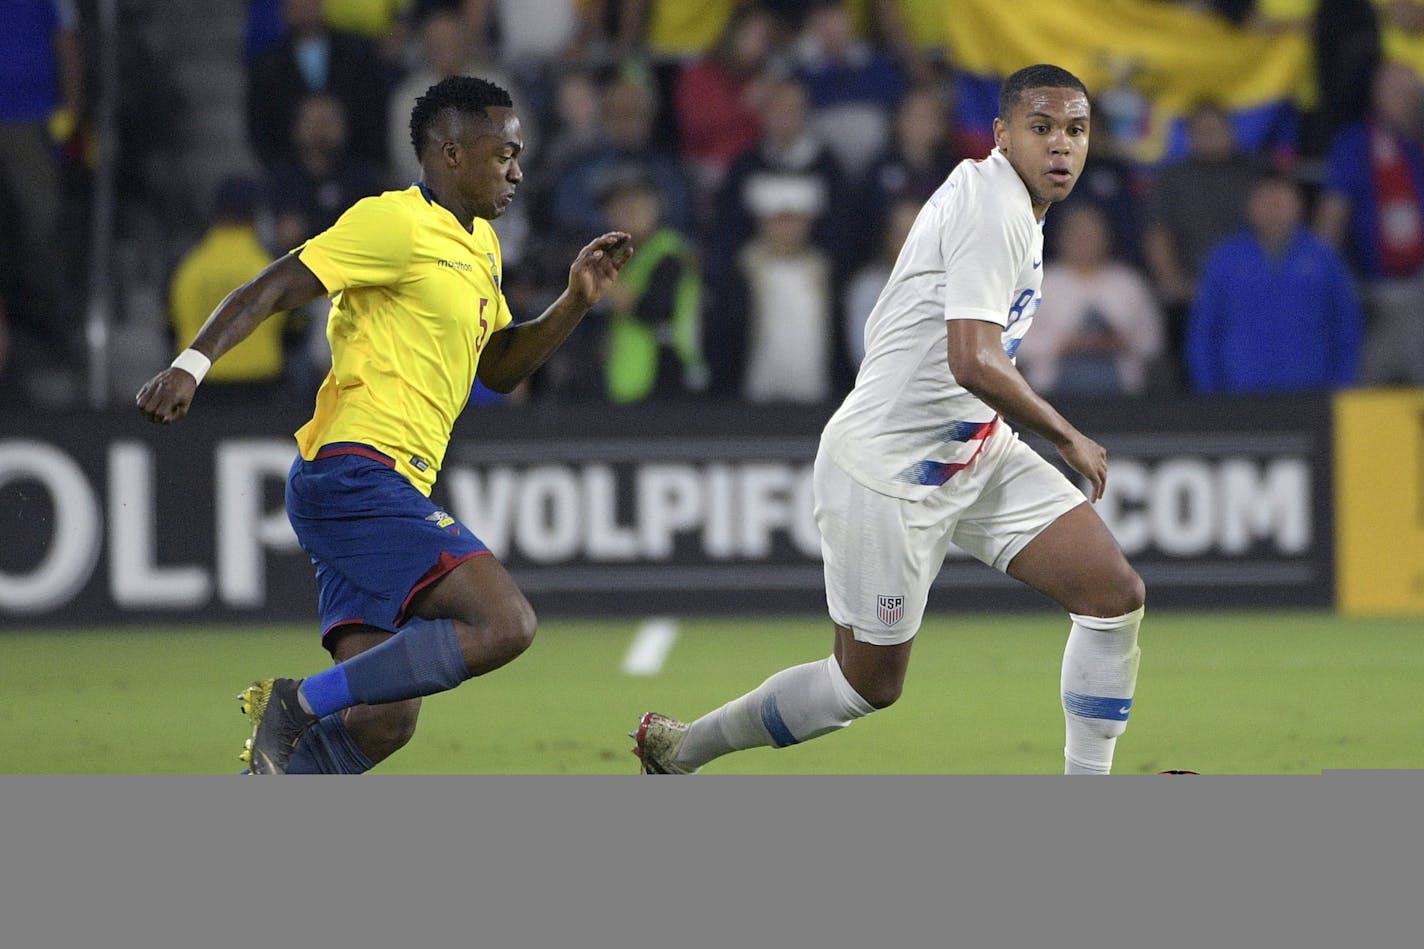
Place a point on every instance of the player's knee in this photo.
(875, 673)
(885, 696)
(512, 631)
(1117, 595)
(879, 692)
(498, 632)
(1133, 592)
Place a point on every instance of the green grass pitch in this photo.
(1220, 693)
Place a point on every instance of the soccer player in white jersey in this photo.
(920, 456)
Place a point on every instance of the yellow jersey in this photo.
(682, 30)
(374, 19)
(415, 297)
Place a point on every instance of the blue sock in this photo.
(422, 659)
(328, 748)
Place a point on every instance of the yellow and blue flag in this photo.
(1146, 64)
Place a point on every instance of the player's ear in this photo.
(450, 151)
(1000, 133)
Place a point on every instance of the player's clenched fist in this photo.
(165, 398)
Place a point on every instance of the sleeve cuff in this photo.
(976, 313)
(319, 264)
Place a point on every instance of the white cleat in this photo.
(656, 743)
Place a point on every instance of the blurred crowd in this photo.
(768, 158)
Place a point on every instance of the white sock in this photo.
(792, 706)
(1099, 676)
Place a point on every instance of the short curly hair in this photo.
(1041, 76)
(467, 94)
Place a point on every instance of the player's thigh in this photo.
(879, 555)
(1033, 524)
(480, 592)
(1018, 496)
(1078, 564)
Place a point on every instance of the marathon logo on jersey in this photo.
(442, 520)
(891, 609)
(460, 265)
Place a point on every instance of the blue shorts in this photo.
(374, 539)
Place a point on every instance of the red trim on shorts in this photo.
(444, 565)
(355, 621)
(330, 451)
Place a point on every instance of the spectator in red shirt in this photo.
(715, 97)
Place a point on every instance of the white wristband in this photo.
(194, 363)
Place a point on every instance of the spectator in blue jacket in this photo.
(1372, 208)
(41, 85)
(1276, 309)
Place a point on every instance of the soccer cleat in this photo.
(278, 722)
(656, 743)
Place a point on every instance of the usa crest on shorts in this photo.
(890, 609)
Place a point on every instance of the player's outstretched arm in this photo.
(513, 354)
(978, 361)
(283, 285)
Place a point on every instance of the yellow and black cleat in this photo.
(278, 722)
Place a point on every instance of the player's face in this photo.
(489, 169)
(1045, 138)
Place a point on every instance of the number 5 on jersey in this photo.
(484, 326)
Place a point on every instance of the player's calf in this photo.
(793, 706)
(382, 730)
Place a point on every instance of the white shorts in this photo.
(882, 553)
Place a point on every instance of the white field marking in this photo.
(650, 647)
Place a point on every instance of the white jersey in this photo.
(975, 252)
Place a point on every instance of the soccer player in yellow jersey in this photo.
(228, 254)
(412, 603)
